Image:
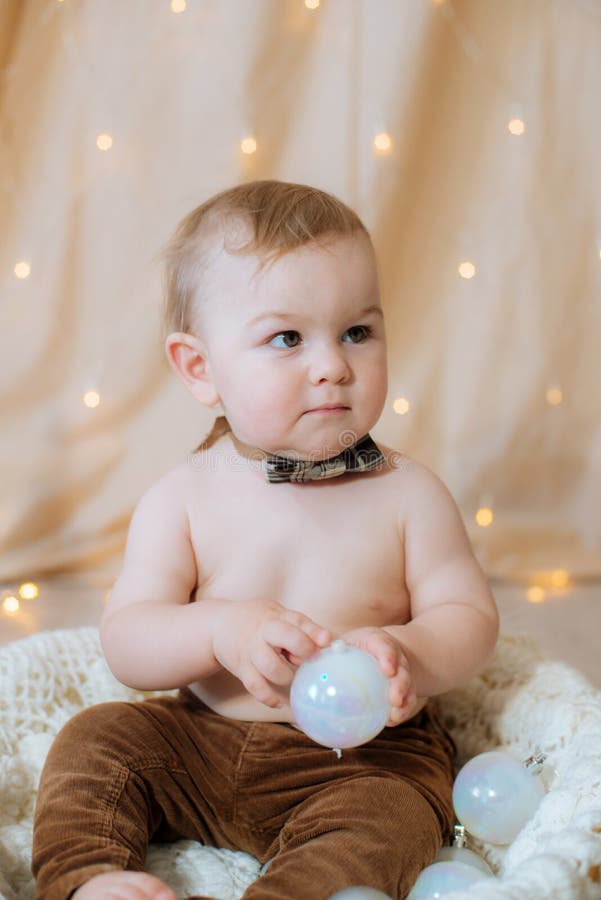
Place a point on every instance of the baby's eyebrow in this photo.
(287, 315)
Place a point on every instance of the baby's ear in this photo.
(188, 358)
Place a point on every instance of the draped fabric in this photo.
(501, 371)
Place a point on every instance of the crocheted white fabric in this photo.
(521, 702)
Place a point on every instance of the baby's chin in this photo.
(316, 453)
(314, 437)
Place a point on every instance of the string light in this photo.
(104, 142)
(467, 269)
(536, 594)
(22, 269)
(91, 399)
(484, 516)
(311, 4)
(401, 406)
(516, 126)
(383, 142)
(554, 580)
(10, 605)
(178, 6)
(28, 590)
(248, 145)
(559, 578)
(554, 396)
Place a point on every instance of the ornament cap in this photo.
(536, 762)
(459, 836)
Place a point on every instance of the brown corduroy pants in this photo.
(120, 775)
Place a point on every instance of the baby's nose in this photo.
(329, 363)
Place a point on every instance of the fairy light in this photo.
(401, 406)
(104, 142)
(28, 590)
(91, 399)
(311, 4)
(22, 269)
(484, 516)
(10, 605)
(552, 579)
(248, 145)
(516, 126)
(466, 269)
(178, 6)
(559, 578)
(536, 594)
(554, 396)
(383, 142)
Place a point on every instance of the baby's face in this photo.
(305, 332)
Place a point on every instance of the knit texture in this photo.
(519, 703)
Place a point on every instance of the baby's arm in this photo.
(154, 639)
(454, 620)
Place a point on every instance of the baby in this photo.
(287, 528)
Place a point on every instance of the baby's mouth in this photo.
(329, 408)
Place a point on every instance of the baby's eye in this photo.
(362, 332)
(284, 334)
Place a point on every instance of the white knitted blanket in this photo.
(521, 702)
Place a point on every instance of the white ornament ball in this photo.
(339, 697)
(442, 878)
(359, 893)
(465, 856)
(494, 795)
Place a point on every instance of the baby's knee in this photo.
(411, 809)
(373, 829)
(402, 826)
(96, 727)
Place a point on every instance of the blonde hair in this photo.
(280, 217)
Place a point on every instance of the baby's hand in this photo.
(261, 641)
(393, 663)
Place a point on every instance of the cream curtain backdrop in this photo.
(482, 360)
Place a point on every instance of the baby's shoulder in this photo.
(405, 467)
(172, 479)
(418, 484)
(167, 491)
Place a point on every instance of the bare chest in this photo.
(331, 549)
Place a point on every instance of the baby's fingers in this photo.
(400, 714)
(270, 663)
(290, 638)
(259, 687)
(400, 689)
(402, 698)
(385, 650)
(316, 633)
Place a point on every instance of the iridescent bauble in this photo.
(494, 795)
(443, 877)
(339, 697)
(359, 893)
(465, 856)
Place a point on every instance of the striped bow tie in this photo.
(361, 457)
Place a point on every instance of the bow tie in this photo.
(361, 457)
